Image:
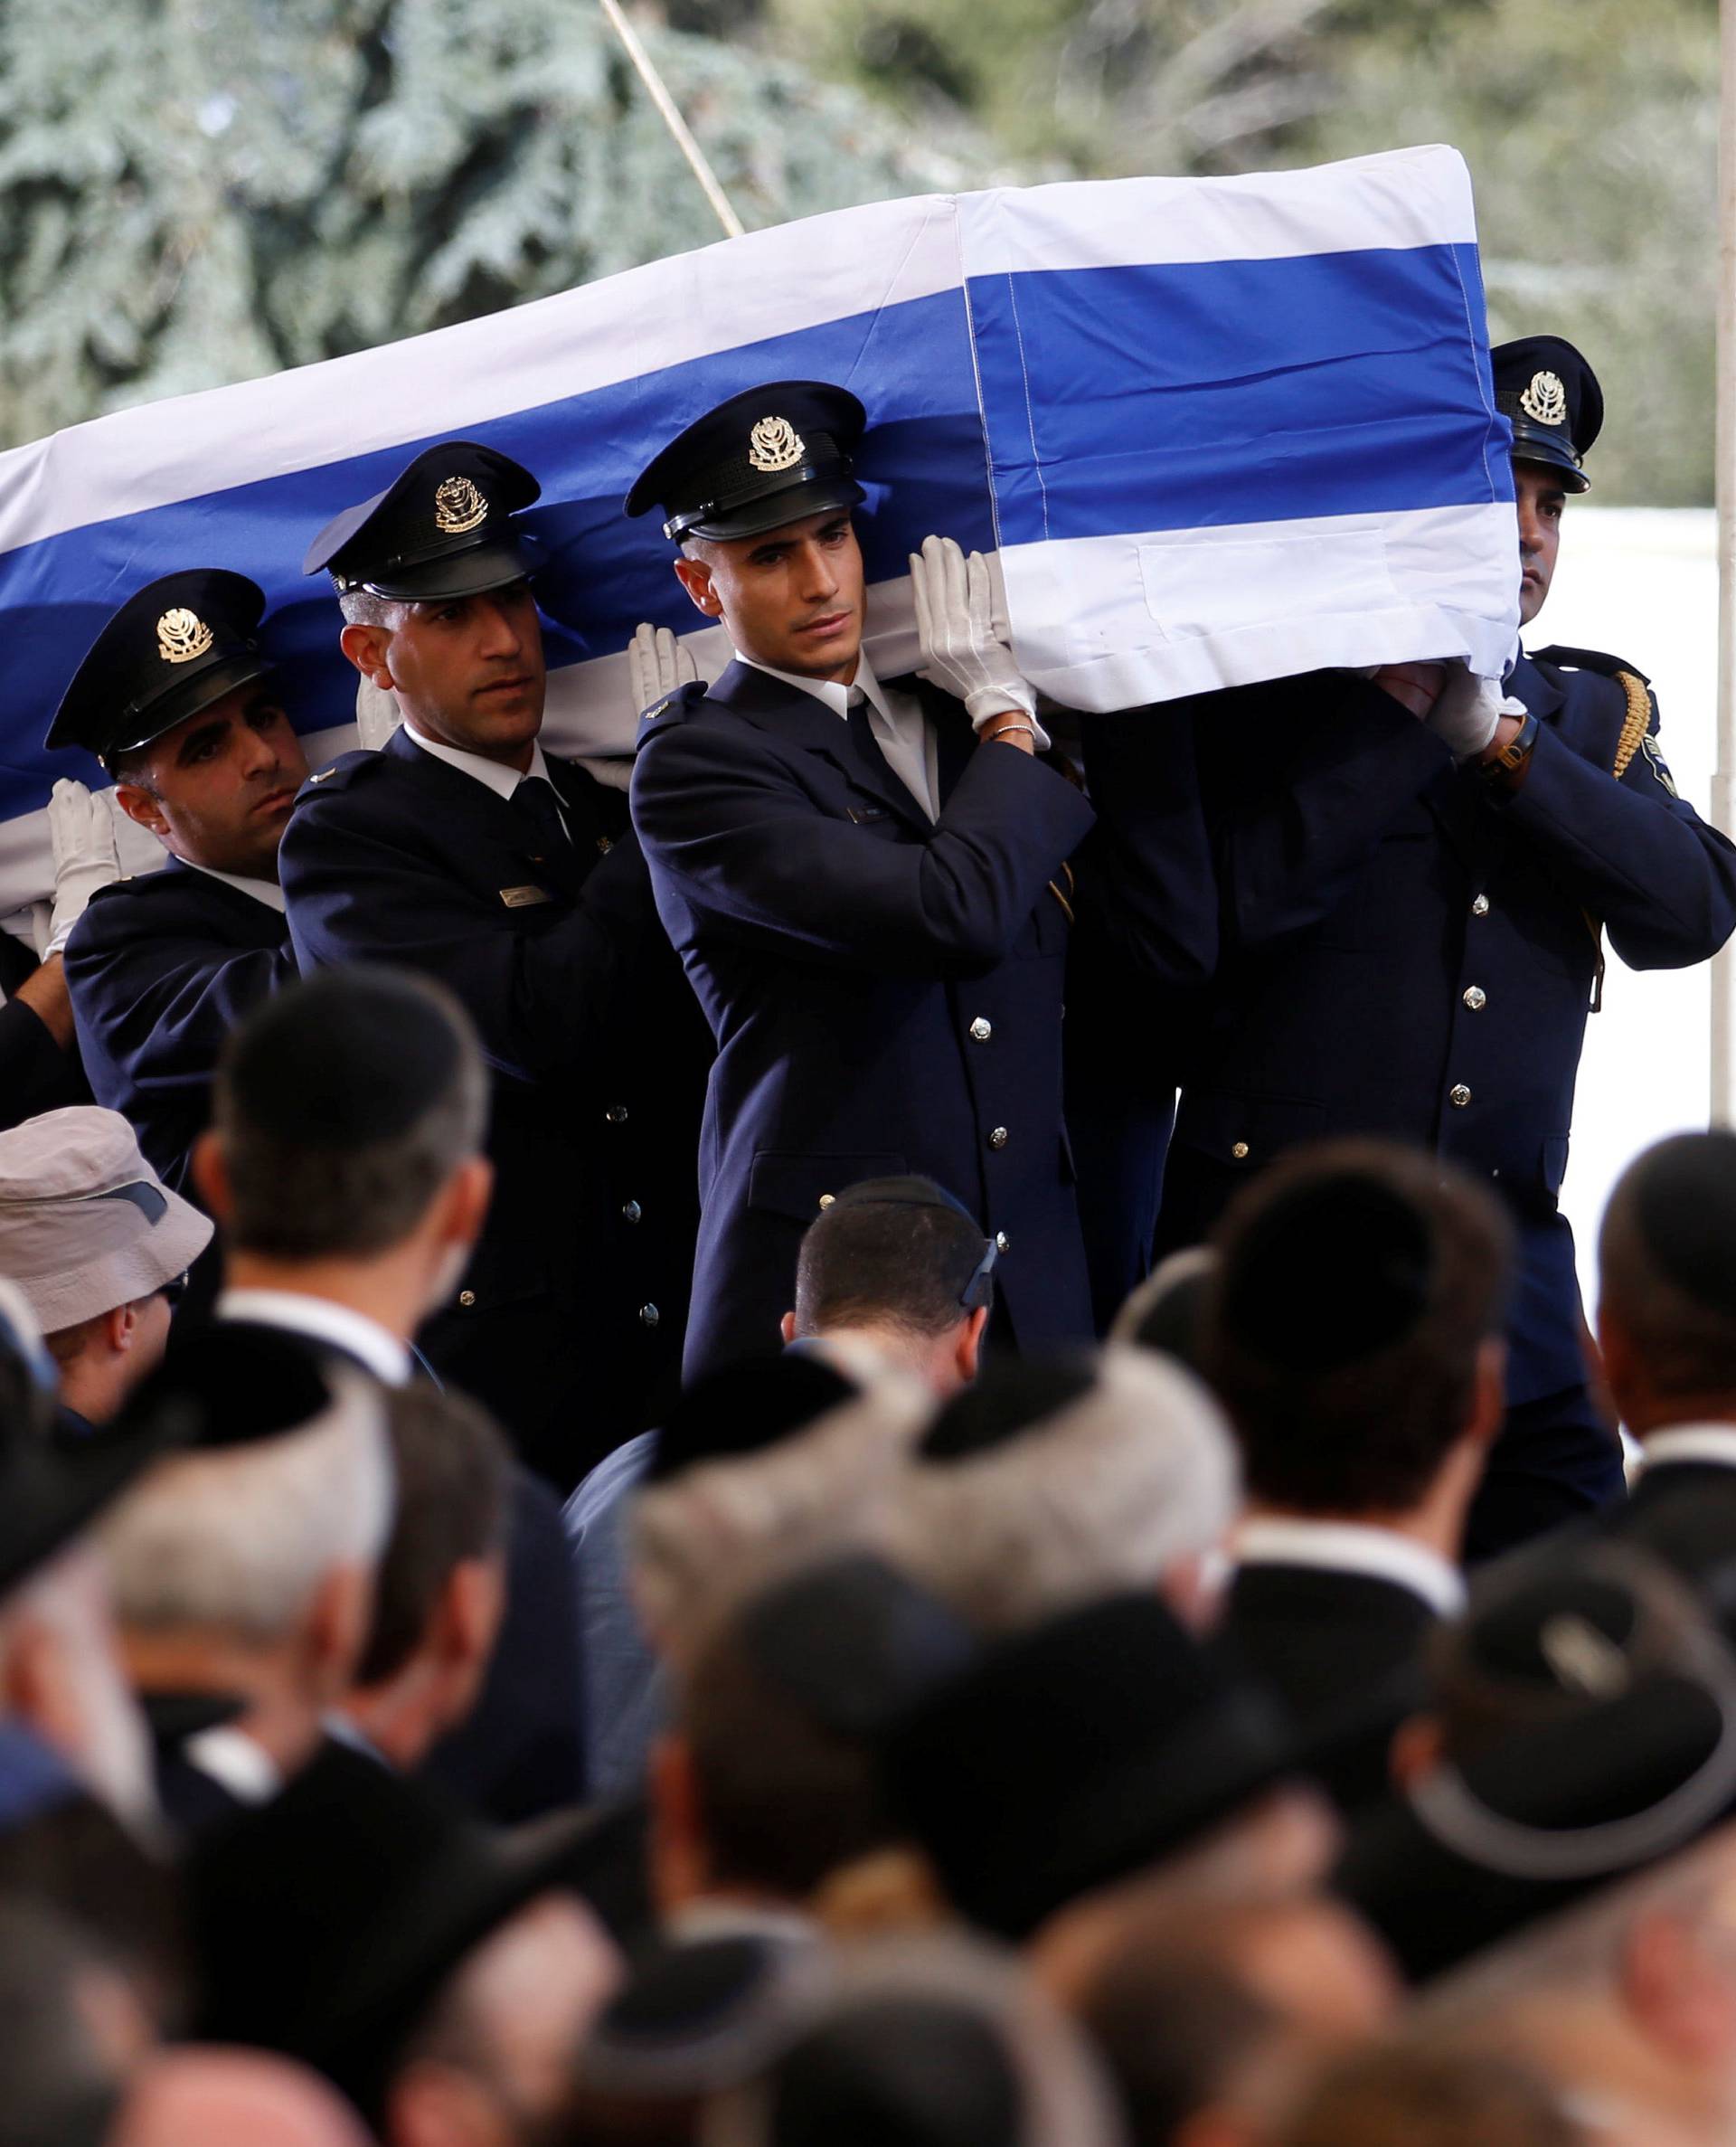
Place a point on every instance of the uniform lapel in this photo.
(808, 723)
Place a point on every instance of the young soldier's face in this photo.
(791, 599)
(1541, 498)
(468, 671)
(217, 789)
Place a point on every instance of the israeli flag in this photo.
(1217, 429)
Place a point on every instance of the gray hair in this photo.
(698, 1540)
(1108, 1493)
(236, 1538)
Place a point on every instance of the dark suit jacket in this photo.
(161, 969)
(885, 993)
(35, 1074)
(1402, 953)
(569, 1319)
(1342, 1652)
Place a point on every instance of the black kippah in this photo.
(1332, 1271)
(1012, 1395)
(232, 1382)
(915, 2070)
(743, 1407)
(1684, 1206)
(343, 1060)
(852, 1643)
(678, 1991)
(1566, 1631)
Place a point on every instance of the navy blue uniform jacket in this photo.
(1403, 955)
(885, 993)
(160, 969)
(35, 1074)
(572, 1313)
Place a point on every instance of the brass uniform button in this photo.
(604, 845)
(827, 1199)
(615, 1114)
(466, 1297)
(997, 1139)
(1002, 1243)
(1459, 1096)
(1476, 998)
(1480, 907)
(981, 1030)
(632, 1211)
(1239, 1151)
(649, 1315)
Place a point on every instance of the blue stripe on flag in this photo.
(1193, 394)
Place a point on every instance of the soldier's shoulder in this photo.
(343, 774)
(1561, 658)
(674, 711)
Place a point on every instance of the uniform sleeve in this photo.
(1634, 853)
(35, 1074)
(738, 840)
(1146, 877)
(540, 997)
(164, 1005)
(1304, 779)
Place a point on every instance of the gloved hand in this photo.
(657, 665)
(1468, 710)
(82, 827)
(377, 713)
(955, 632)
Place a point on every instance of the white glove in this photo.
(377, 713)
(1468, 710)
(955, 632)
(657, 665)
(82, 827)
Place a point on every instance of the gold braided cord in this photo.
(1636, 721)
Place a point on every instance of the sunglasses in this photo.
(173, 1293)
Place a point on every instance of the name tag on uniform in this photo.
(859, 813)
(524, 898)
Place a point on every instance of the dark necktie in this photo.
(866, 746)
(535, 799)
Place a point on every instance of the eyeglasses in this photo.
(173, 1293)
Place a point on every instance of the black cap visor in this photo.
(810, 492)
(1534, 443)
(133, 728)
(491, 565)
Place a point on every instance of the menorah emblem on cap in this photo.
(182, 635)
(1545, 400)
(775, 444)
(459, 506)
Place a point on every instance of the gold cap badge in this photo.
(1545, 400)
(775, 444)
(459, 506)
(181, 636)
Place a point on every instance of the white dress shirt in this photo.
(321, 1321)
(1353, 1547)
(903, 733)
(235, 1763)
(1712, 1442)
(265, 891)
(502, 781)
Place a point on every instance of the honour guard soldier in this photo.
(176, 699)
(868, 882)
(462, 850)
(1414, 895)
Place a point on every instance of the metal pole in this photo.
(672, 118)
(1723, 782)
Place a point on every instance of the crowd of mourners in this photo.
(905, 1742)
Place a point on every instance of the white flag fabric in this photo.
(1218, 431)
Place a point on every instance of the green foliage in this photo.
(195, 191)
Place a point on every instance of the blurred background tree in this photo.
(192, 190)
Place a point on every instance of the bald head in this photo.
(212, 2098)
(1666, 1318)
